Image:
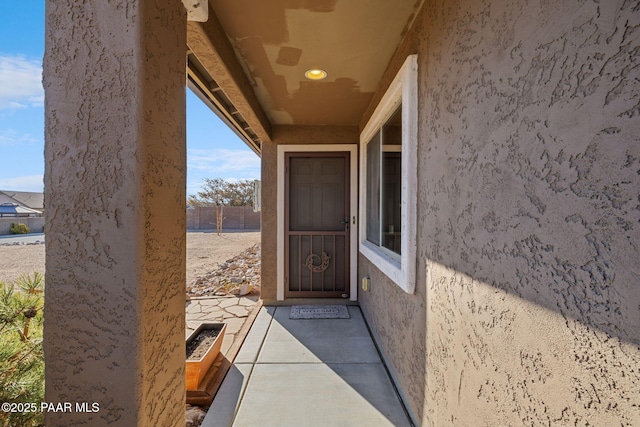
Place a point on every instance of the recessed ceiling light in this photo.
(315, 74)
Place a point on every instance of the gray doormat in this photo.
(319, 312)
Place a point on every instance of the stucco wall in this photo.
(115, 179)
(528, 290)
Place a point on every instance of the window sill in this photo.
(389, 263)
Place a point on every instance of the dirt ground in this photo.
(205, 249)
(18, 260)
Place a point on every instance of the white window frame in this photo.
(401, 269)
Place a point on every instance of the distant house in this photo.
(25, 199)
(14, 210)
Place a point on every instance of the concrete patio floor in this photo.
(307, 372)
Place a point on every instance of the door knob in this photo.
(345, 222)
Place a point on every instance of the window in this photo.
(384, 178)
(388, 181)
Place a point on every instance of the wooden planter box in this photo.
(197, 368)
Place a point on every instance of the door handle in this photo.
(345, 222)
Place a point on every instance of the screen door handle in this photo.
(345, 222)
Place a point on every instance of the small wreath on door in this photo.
(319, 268)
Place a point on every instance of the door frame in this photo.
(353, 202)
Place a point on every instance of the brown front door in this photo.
(317, 225)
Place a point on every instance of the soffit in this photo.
(276, 41)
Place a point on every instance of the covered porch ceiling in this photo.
(248, 60)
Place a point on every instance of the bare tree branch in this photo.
(221, 192)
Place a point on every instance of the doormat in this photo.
(319, 312)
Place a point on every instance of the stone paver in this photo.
(234, 324)
(246, 302)
(204, 317)
(210, 302)
(228, 302)
(231, 310)
(193, 308)
(238, 310)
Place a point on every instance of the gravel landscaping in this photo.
(205, 251)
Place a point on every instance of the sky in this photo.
(213, 150)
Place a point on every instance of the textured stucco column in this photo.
(114, 77)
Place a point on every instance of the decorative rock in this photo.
(239, 275)
(245, 289)
(194, 416)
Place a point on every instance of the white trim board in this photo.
(353, 206)
(403, 89)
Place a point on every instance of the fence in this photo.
(235, 218)
(35, 224)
